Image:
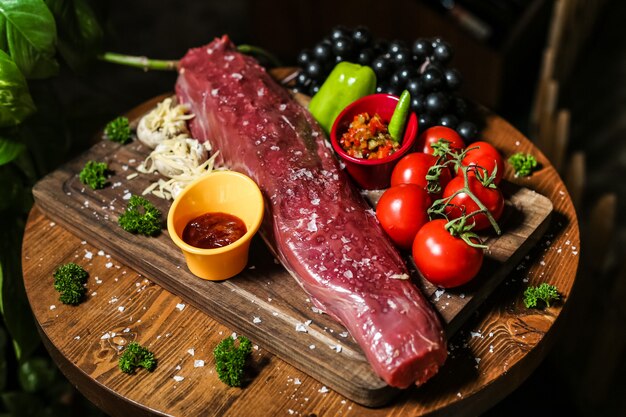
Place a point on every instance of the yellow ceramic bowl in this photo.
(220, 191)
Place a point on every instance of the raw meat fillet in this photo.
(323, 230)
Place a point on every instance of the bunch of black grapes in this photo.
(421, 68)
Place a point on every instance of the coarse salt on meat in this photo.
(303, 176)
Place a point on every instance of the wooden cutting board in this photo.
(264, 302)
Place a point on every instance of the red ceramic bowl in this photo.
(372, 174)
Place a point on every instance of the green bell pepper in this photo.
(346, 83)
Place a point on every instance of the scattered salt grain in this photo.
(106, 336)
(296, 381)
(198, 363)
(52, 307)
(343, 334)
(301, 328)
(477, 334)
(180, 306)
(490, 348)
(234, 336)
(52, 224)
(399, 276)
(120, 309)
(178, 378)
(76, 337)
(311, 347)
(108, 265)
(336, 348)
(127, 196)
(191, 351)
(323, 390)
(256, 320)
(100, 253)
(311, 226)
(439, 293)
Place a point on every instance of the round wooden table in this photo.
(495, 351)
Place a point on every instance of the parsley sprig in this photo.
(118, 130)
(230, 360)
(523, 164)
(544, 292)
(69, 281)
(136, 356)
(94, 174)
(141, 216)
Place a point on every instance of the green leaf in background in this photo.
(30, 36)
(15, 309)
(9, 150)
(3, 359)
(22, 404)
(12, 190)
(80, 34)
(15, 100)
(36, 374)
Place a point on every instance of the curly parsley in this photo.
(544, 292)
(69, 281)
(141, 216)
(230, 360)
(118, 130)
(94, 174)
(523, 164)
(136, 356)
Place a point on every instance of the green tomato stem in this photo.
(141, 62)
(479, 203)
(146, 63)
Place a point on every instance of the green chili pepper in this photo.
(346, 83)
(400, 116)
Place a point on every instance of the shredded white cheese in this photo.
(168, 120)
(182, 160)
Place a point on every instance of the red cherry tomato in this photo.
(412, 169)
(484, 156)
(401, 212)
(433, 134)
(445, 260)
(491, 197)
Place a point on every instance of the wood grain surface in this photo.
(495, 350)
(264, 302)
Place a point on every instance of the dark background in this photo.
(575, 379)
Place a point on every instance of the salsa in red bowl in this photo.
(366, 148)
